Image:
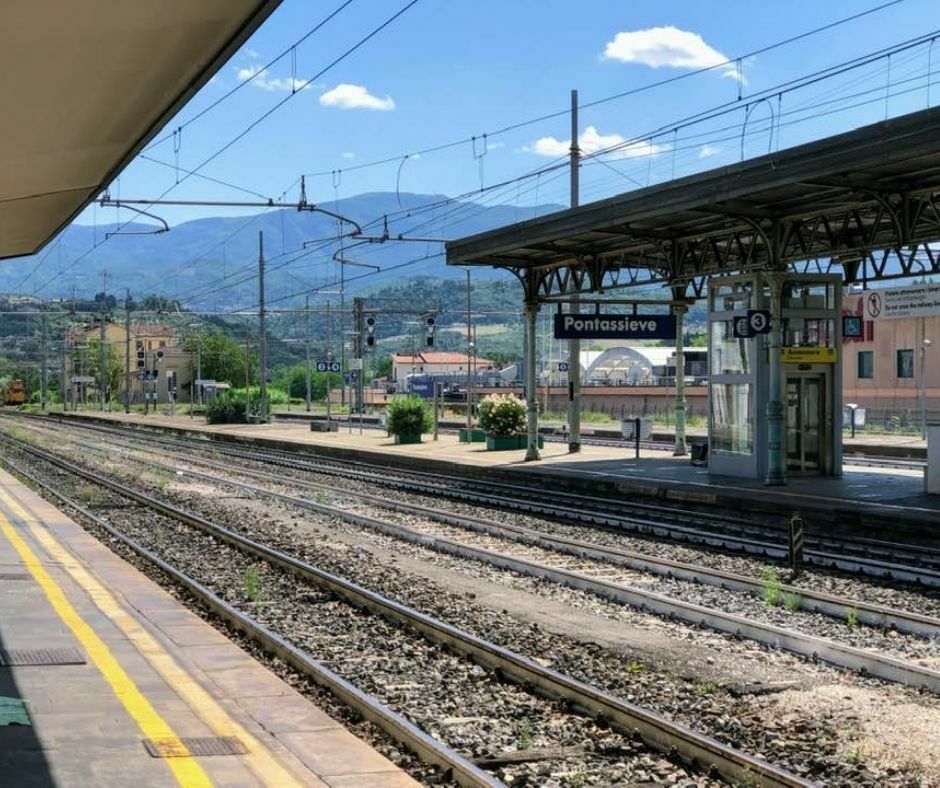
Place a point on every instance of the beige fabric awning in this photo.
(86, 84)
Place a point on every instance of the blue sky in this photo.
(447, 70)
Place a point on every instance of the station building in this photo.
(771, 243)
(893, 367)
(154, 347)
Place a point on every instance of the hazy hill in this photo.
(207, 254)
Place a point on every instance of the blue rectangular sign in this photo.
(588, 326)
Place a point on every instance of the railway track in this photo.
(605, 572)
(874, 557)
(529, 678)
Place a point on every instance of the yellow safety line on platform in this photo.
(258, 758)
(186, 770)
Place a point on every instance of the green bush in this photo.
(410, 415)
(502, 415)
(228, 408)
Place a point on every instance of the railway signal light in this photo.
(429, 323)
(370, 331)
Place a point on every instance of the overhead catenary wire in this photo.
(614, 97)
(255, 73)
(266, 114)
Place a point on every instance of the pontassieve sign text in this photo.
(588, 326)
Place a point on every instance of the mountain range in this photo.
(212, 262)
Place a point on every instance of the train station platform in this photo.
(862, 495)
(106, 679)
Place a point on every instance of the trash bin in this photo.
(699, 453)
(628, 428)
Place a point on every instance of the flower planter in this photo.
(476, 436)
(509, 442)
(408, 438)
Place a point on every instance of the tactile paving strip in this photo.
(17, 657)
(197, 745)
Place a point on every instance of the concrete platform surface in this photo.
(140, 670)
(861, 492)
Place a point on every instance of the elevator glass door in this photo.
(805, 424)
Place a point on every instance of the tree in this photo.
(293, 381)
(114, 366)
(223, 359)
(383, 367)
(501, 358)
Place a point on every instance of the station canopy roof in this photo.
(867, 200)
(87, 83)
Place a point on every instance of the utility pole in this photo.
(342, 326)
(247, 370)
(574, 345)
(329, 358)
(262, 340)
(102, 357)
(199, 367)
(65, 370)
(127, 352)
(470, 349)
(43, 361)
(358, 322)
(307, 350)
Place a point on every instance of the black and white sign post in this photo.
(796, 544)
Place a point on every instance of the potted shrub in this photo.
(407, 417)
(503, 419)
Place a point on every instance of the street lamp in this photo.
(923, 387)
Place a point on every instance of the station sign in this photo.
(754, 323)
(852, 326)
(808, 355)
(600, 326)
(920, 300)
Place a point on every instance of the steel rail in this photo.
(578, 512)
(655, 730)
(809, 646)
(814, 601)
(408, 735)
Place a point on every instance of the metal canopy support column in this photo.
(574, 345)
(531, 394)
(680, 448)
(775, 471)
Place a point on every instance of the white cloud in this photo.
(592, 141)
(707, 151)
(252, 53)
(346, 96)
(495, 145)
(348, 154)
(260, 79)
(668, 46)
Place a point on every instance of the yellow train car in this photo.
(14, 393)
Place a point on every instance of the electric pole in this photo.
(65, 369)
(329, 358)
(102, 358)
(127, 352)
(43, 362)
(470, 350)
(262, 339)
(574, 345)
(307, 350)
(359, 329)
